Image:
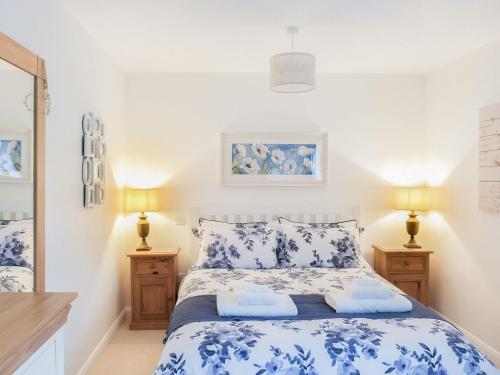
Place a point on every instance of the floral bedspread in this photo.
(344, 346)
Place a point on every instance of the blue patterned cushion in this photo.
(223, 245)
(16, 243)
(317, 245)
(349, 225)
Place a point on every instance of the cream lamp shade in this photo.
(413, 199)
(293, 72)
(142, 200)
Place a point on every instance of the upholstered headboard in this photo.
(16, 212)
(249, 215)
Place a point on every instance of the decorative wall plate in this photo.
(87, 171)
(87, 123)
(93, 164)
(99, 194)
(89, 196)
(97, 126)
(89, 146)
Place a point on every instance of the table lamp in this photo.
(142, 200)
(412, 199)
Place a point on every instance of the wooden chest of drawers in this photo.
(408, 269)
(153, 287)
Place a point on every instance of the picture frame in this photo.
(16, 156)
(274, 159)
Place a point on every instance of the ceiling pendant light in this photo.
(293, 71)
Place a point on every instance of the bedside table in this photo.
(153, 287)
(408, 269)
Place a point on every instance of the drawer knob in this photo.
(406, 263)
(155, 272)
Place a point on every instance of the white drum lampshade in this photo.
(293, 72)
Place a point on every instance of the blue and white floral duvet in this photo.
(344, 346)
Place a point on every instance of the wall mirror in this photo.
(23, 88)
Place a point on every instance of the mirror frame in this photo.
(24, 59)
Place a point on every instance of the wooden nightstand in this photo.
(408, 269)
(153, 286)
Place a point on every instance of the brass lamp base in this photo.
(412, 244)
(412, 226)
(143, 231)
(143, 246)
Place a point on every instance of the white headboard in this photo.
(15, 211)
(250, 215)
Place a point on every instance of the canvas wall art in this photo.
(15, 156)
(489, 159)
(274, 159)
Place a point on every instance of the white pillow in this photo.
(248, 245)
(311, 245)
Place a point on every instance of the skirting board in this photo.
(112, 330)
(491, 353)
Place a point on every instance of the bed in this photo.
(16, 252)
(317, 342)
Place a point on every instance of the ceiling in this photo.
(239, 36)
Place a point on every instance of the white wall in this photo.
(465, 277)
(174, 122)
(82, 245)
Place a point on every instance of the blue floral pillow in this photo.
(350, 225)
(311, 245)
(237, 245)
(16, 243)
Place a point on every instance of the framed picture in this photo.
(291, 159)
(15, 156)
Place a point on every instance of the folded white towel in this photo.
(227, 305)
(343, 303)
(365, 281)
(252, 298)
(368, 292)
(256, 288)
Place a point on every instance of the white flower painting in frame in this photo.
(15, 156)
(291, 159)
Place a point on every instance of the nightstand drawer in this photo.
(407, 264)
(152, 266)
(408, 269)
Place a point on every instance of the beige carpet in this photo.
(130, 353)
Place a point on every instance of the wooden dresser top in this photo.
(27, 320)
